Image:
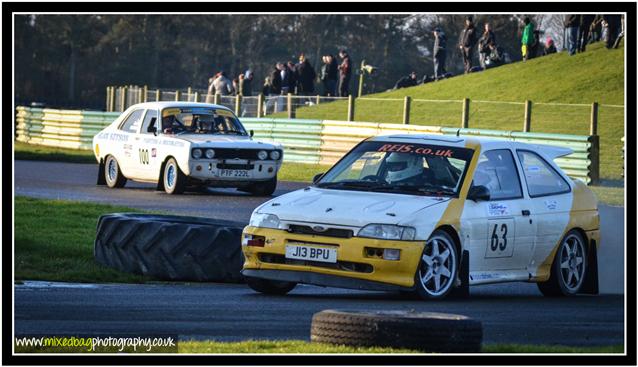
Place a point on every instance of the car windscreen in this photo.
(200, 120)
(403, 168)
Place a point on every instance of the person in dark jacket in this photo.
(613, 23)
(306, 76)
(345, 72)
(246, 83)
(485, 45)
(572, 22)
(275, 79)
(596, 29)
(406, 81)
(289, 79)
(439, 53)
(586, 21)
(549, 48)
(468, 40)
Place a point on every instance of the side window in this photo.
(541, 178)
(497, 171)
(151, 117)
(132, 122)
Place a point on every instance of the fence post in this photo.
(140, 95)
(527, 121)
(465, 116)
(238, 104)
(123, 94)
(291, 109)
(318, 99)
(189, 91)
(350, 107)
(158, 95)
(406, 110)
(112, 105)
(260, 105)
(145, 94)
(216, 98)
(177, 95)
(196, 97)
(593, 127)
(594, 158)
(108, 98)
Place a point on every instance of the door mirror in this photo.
(252, 133)
(151, 127)
(479, 193)
(317, 177)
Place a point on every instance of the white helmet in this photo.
(402, 166)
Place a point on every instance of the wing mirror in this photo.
(317, 178)
(479, 193)
(252, 133)
(151, 127)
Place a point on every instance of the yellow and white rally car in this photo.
(181, 144)
(428, 214)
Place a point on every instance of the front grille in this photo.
(235, 166)
(330, 232)
(232, 153)
(339, 265)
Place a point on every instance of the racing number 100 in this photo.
(499, 240)
(144, 156)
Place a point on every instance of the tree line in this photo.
(69, 60)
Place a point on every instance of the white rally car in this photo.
(427, 214)
(180, 144)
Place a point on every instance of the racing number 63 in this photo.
(499, 240)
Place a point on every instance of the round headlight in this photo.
(197, 153)
(274, 155)
(210, 153)
(262, 155)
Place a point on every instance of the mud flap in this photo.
(590, 285)
(101, 180)
(463, 290)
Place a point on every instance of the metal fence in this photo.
(305, 140)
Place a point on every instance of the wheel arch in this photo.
(450, 230)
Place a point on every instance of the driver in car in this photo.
(170, 124)
(406, 169)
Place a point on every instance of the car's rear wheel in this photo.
(569, 268)
(112, 173)
(438, 267)
(174, 178)
(263, 188)
(267, 286)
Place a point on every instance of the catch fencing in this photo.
(305, 140)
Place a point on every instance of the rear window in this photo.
(541, 178)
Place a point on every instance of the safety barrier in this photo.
(305, 141)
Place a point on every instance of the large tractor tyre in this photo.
(171, 247)
(423, 331)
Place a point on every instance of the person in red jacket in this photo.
(345, 72)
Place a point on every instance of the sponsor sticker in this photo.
(422, 150)
(497, 209)
(551, 204)
(224, 113)
(154, 152)
(170, 112)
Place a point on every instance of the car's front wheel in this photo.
(438, 267)
(270, 286)
(112, 173)
(263, 188)
(174, 178)
(568, 270)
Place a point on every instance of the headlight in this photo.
(262, 154)
(274, 155)
(210, 153)
(264, 220)
(388, 232)
(197, 153)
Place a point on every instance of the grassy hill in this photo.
(596, 75)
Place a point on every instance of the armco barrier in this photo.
(305, 141)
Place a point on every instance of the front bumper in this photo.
(211, 170)
(354, 267)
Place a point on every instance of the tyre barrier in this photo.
(423, 331)
(170, 247)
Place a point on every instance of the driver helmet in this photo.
(402, 166)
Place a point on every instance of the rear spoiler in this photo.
(554, 152)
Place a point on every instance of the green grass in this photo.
(596, 75)
(610, 195)
(30, 152)
(298, 346)
(54, 241)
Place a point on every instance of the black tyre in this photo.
(174, 178)
(438, 267)
(170, 247)
(569, 267)
(263, 188)
(269, 286)
(112, 173)
(423, 331)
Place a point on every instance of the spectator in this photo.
(236, 85)
(275, 79)
(549, 48)
(245, 83)
(291, 74)
(586, 21)
(211, 88)
(468, 40)
(596, 29)
(571, 26)
(345, 72)
(622, 32)
(496, 56)
(439, 53)
(406, 81)
(287, 78)
(533, 49)
(223, 85)
(333, 75)
(528, 37)
(266, 90)
(485, 45)
(306, 74)
(613, 23)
